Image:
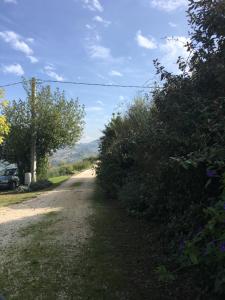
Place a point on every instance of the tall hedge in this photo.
(164, 158)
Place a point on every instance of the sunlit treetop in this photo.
(4, 126)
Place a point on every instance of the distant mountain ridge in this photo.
(75, 153)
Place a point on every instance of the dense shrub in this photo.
(65, 170)
(81, 165)
(164, 158)
(206, 250)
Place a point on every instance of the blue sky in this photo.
(102, 41)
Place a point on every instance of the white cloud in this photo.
(99, 102)
(50, 71)
(97, 51)
(90, 27)
(15, 69)
(93, 38)
(145, 42)
(101, 20)
(97, 37)
(94, 108)
(30, 40)
(122, 98)
(115, 73)
(173, 25)
(19, 44)
(168, 5)
(101, 76)
(16, 42)
(93, 5)
(171, 50)
(32, 59)
(10, 1)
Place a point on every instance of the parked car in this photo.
(9, 179)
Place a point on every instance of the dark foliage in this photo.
(165, 158)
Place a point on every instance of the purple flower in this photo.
(211, 173)
(222, 247)
(199, 230)
(181, 245)
(213, 242)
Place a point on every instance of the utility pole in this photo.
(33, 153)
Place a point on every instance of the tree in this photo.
(59, 123)
(4, 126)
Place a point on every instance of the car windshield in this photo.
(9, 172)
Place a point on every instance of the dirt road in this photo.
(41, 239)
(70, 200)
(73, 244)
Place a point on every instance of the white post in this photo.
(33, 131)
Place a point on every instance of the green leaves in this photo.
(165, 158)
(59, 122)
(164, 275)
(192, 252)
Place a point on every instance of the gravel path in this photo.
(70, 199)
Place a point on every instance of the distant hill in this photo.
(75, 153)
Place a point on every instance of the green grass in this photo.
(121, 257)
(14, 198)
(58, 180)
(35, 273)
(117, 264)
(9, 197)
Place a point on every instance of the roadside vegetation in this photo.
(72, 168)
(164, 158)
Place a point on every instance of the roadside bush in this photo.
(133, 196)
(206, 250)
(65, 170)
(164, 157)
(81, 165)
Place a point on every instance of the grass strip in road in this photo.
(33, 270)
(77, 184)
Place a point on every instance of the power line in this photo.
(94, 84)
(83, 83)
(11, 84)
